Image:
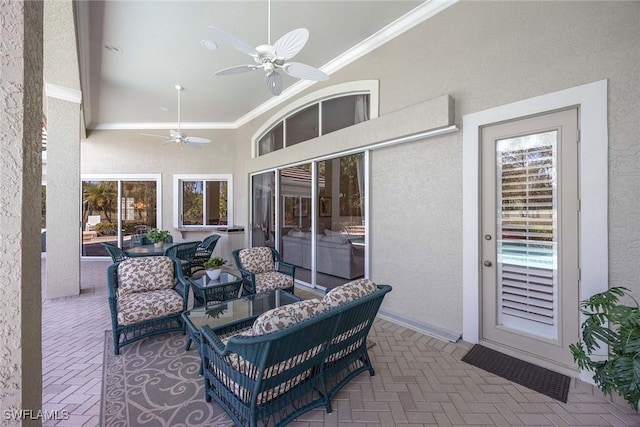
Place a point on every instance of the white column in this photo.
(20, 181)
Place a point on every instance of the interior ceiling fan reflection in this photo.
(271, 58)
(178, 136)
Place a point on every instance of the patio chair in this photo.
(184, 252)
(116, 253)
(203, 252)
(92, 221)
(147, 296)
(263, 270)
(139, 236)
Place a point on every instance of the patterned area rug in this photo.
(154, 382)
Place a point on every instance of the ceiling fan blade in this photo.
(155, 136)
(175, 134)
(197, 140)
(291, 43)
(191, 143)
(274, 82)
(305, 72)
(168, 141)
(237, 69)
(234, 41)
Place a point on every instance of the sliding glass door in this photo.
(321, 213)
(341, 237)
(114, 209)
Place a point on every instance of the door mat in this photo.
(534, 377)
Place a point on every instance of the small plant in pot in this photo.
(616, 326)
(158, 237)
(212, 266)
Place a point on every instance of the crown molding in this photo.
(406, 22)
(62, 92)
(164, 125)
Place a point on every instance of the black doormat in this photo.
(534, 377)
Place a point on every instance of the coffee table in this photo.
(225, 287)
(240, 310)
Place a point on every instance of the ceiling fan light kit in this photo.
(178, 136)
(272, 58)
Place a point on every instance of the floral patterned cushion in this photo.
(349, 292)
(143, 274)
(238, 363)
(271, 280)
(282, 317)
(139, 306)
(257, 260)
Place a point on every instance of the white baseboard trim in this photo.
(424, 328)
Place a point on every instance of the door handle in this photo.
(487, 263)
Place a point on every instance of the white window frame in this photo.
(177, 199)
(360, 87)
(591, 99)
(126, 177)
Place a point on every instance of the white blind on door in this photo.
(527, 220)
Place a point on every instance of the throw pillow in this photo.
(349, 292)
(288, 315)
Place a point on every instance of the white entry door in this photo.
(530, 225)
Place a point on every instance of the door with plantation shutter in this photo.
(530, 222)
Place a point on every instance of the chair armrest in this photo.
(212, 340)
(112, 280)
(248, 280)
(182, 283)
(286, 268)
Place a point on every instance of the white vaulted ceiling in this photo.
(160, 46)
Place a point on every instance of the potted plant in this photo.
(158, 237)
(617, 326)
(212, 266)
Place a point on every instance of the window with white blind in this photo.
(527, 227)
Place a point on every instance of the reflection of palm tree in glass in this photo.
(100, 197)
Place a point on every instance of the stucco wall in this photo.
(482, 54)
(20, 169)
(485, 54)
(63, 198)
(102, 153)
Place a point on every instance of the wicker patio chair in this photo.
(116, 253)
(147, 296)
(204, 252)
(184, 252)
(263, 270)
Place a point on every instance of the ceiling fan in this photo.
(180, 137)
(272, 57)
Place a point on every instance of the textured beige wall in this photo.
(20, 169)
(61, 57)
(482, 54)
(103, 152)
(63, 198)
(486, 54)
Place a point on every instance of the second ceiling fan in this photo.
(178, 136)
(271, 58)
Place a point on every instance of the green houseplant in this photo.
(158, 237)
(212, 266)
(617, 326)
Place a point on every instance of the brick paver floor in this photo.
(419, 380)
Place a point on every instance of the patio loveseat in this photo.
(293, 358)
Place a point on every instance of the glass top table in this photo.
(225, 287)
(223, 313)
(148, 250)
(231, 311)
